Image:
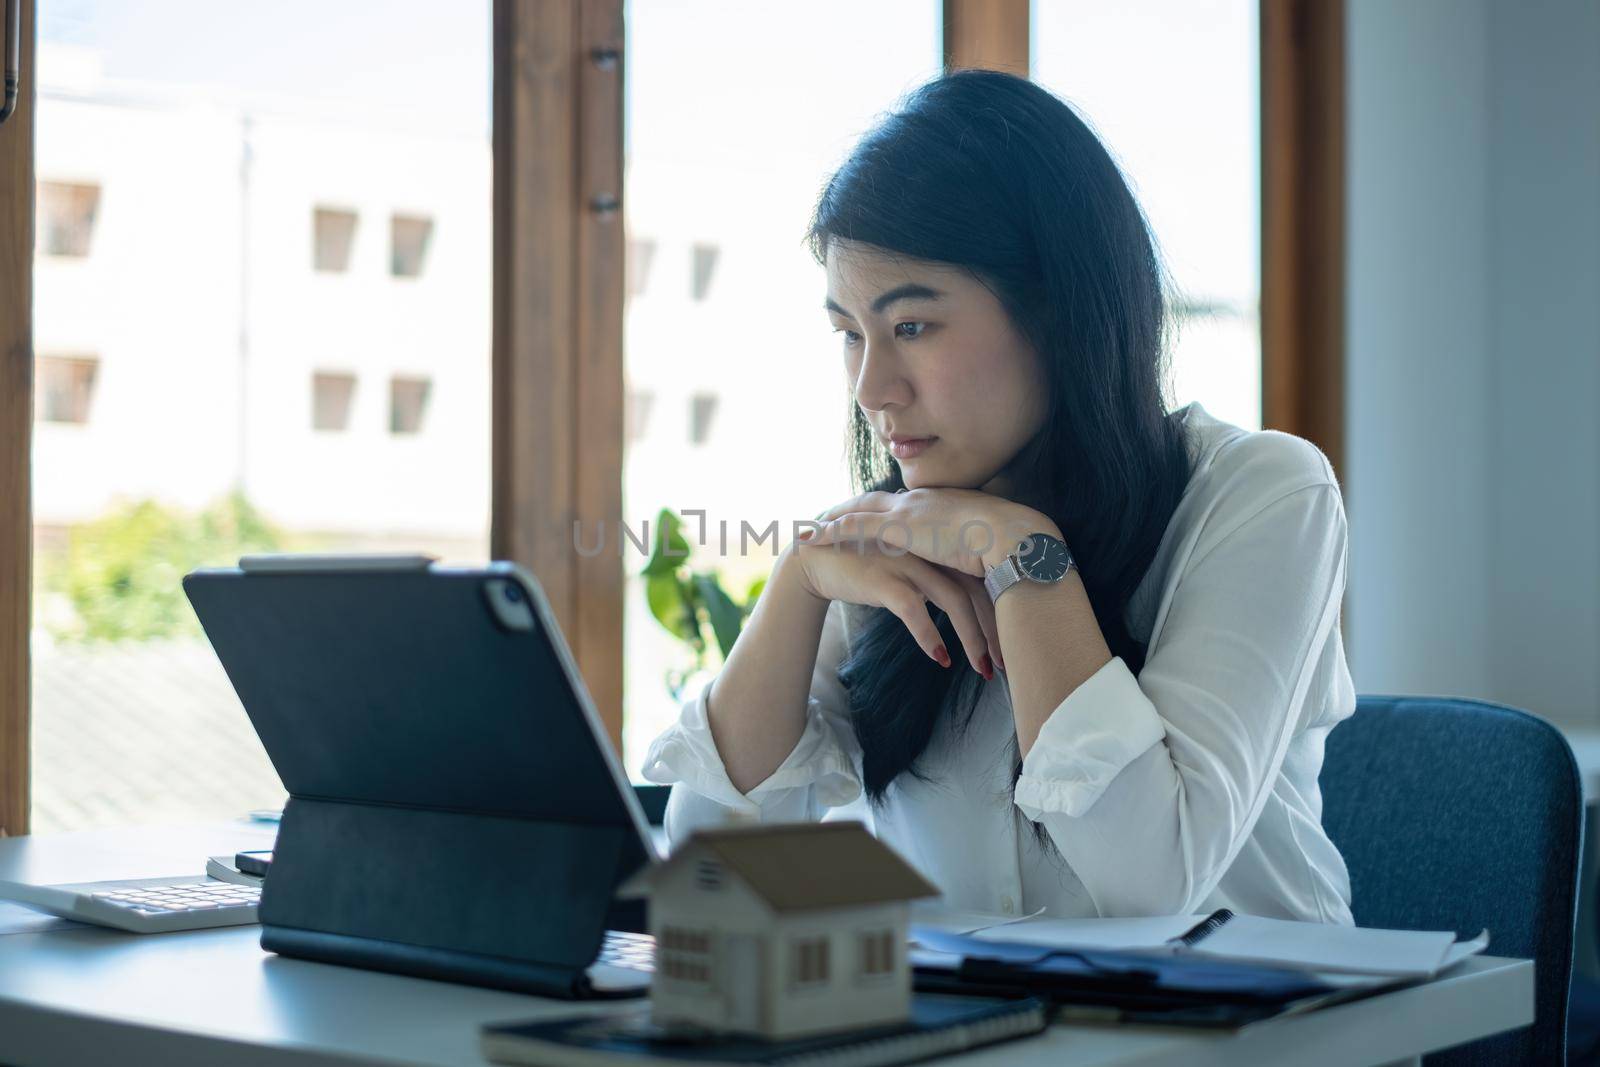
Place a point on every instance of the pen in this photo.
(1202, 929)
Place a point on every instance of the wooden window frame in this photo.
(559, 254)
(1303, 221)
(987, 34)
(559, 249)
(16, 435)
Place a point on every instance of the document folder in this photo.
(1131, 985)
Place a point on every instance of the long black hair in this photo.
(990, 172)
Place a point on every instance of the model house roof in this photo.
(804, 866)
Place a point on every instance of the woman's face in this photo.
(931, 354)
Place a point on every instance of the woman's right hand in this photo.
(864, 573)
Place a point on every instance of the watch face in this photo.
(1043, 558)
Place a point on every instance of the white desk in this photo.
(72, 994)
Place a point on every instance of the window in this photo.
(708, 875)
(334, 235)
(408, 244)
(684, 955)
(408, 403)
(66, 215)
(809, 956)
(204, 457)
(221, 345)
(636, 413)
(64, 388)
(1171, 88)
(331, 397)
(734, 295)
(877, 953)
(702, 408)
(641, 253)
(705, 262)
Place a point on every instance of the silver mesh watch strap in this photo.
(1002, 576)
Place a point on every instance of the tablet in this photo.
(456, 808)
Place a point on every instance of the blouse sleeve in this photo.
(1150, 786)
(818, 774)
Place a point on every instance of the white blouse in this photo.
(1190, 787)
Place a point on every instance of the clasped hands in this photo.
(963, 530)
(931, 544)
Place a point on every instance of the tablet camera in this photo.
(509, 604)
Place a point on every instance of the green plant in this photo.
(689, 603)
(122, 572)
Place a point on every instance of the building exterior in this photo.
(237, 295)
(781, 931)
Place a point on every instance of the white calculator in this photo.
(143, 905)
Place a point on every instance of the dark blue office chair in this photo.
(1460, 815)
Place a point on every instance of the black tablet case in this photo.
(451, 813)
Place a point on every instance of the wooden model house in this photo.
(781, 931)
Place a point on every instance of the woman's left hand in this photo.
(966, 530)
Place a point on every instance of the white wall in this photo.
(1473, 470)
(1544, 230)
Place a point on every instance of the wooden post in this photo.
(1302, 221)
(16, 437)
(602, 250)
(990, 34)
(558, 293)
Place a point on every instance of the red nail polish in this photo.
(942, 656)
(987, 668)
(805, 535)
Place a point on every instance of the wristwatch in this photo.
(1038, 557)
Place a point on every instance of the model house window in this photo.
(810, 959)
(708, 875)
(684, 955)
(877, 953)
(64, 388)
(702, 408)
(705, 262)
(408, 244)
(408, 403)
(66, 215)
(331, 395)
(641, 253)
(334, 234)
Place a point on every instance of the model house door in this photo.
(742, 980)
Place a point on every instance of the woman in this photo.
(1151, 741)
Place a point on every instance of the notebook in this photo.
(1321, 947)
(939, 1025)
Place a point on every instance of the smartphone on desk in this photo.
(255, 863)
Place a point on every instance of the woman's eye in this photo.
(917, 328)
